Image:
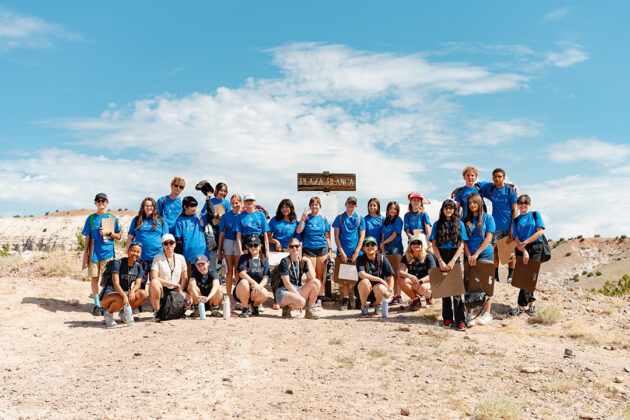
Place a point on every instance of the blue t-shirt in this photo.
(394, 227)
(251, 223)
(314, 233)
(475, 238)
(415, 221)
(170, 211)
(103, 246)
(151, 240)
(227, 225)
(373, 225)
(526, 226)
(449, 244)
(282, 230)
(502, 200)
(349, 227)
(215, 201)
(462, 197)
(191, 231)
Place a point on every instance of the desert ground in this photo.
(572, 360)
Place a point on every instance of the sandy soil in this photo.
(61, 362)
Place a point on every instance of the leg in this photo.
(379, 292)
(320, 268)
(109, 299)
(458, 304)
(404, 284)
(194, 293)
(261, 298)
(155, 293)
(94, 285)
(447, 309)
(242, 292)
(364, 287)
(395, 262)
(425, 290)
(310, 291)
(525, 298)
(293, 300)
(141, 296)
(217, 299)
(345, 288)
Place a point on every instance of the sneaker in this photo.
(310, 314)
(195, 312)
(155, 317)
(214, 312)
(256, 310)
(318, 305)
(461, 327)
(447, 323)
(345, 304)
(485, 319)
(515, 311)
(260, 308)
(136, 311)
(496, 275)
(429, 302)
(109, 319)
(415, 305)
(532, 310)
(364, 312)
(123, 316)
(275, 307)
(510, 275)
(396, 300)
(286, 312)
(377, 310)
(98, 310)
(244, 313)
(470, 320)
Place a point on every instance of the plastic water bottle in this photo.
(129, 315)
(202, 310)
(226, 306)
(385, 308)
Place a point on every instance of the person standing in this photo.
(189, 234)
(169, 207)
(251, 223)
(283, 225)
(374, 220)
(417, 220)
(391, 244)
(349, 234)
(228, 247)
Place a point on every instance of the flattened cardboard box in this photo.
(479, 278)
(526, 275)
(447, 283)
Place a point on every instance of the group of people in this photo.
(175, 250)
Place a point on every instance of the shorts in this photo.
(371, 297)
(500, 234)
(282, 291)
(393, 248)
(249, 299)
(230, 247)
(107, 290)
(315, 252)
(96, 269)
(534, 250)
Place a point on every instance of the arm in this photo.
(310, 274)
(359, 245)
(215, 288)
(211, 218)
(132, 292)
(129, 242)
(403, 272)
(451, 263)
(287, 284)
(220, 246)
(183, 279)
(532, 239)
(486, 241)
(327, 235)
(266, 238)
(276, 243)
(303, 219)
(238, 243)
(455, 191)
(514, 216)
(438, 257)
(365, 275)
(342, 254)
(116, 282)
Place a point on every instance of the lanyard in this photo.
(295, 270)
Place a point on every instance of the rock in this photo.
(586, 416)
(284, 359)
(530, 369)
(404, 411)
(620, 389)
(618, 379)
(289, 391)
(568, 353)
(626, 369)
(590, 368)
(227, 379)
(534, 389)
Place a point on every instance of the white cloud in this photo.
(29, 31)
(593, 150)
(566, 58)
(494, 133)
(557, 14)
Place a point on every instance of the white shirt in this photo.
(165, 271)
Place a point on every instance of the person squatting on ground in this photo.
(376, 277)
(291, 294)
(413, 273)
(168, 274)
(204, 287)
(254, 272)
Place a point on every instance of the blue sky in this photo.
(122, 97)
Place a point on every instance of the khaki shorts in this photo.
(96, 269)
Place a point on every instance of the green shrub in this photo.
(47, 213)
(546, 315)
(584, 272)
(561, 240)
(17, 216)
(622, 237)
(589, 275)
(568, 254)
(597, 235)
(578, 237)
(616, 288)
(4, 251)
(598, 273)
(575, 277)
(45, 229)
(80, 242)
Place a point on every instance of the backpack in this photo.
(460, 193)
(276, 279)
(546, 249)
(172, 307)
(208, 233)
(93, 216)
(475, 299)
(106, 277)
(161, 211)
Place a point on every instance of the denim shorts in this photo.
(229, 247)
(393, 248)
(500, 234)
(282, 291)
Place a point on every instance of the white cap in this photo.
(167, 237)
(249, 196)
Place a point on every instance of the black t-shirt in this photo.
(370, 266)
(293, 269)
(204, 281)
(417, 268)
(256, 268)
(127, 275)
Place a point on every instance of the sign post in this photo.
(327, 184)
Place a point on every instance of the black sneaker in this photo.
(244, 313)
(98, 310)
(345, 304)
(255, 311)
(496, 275)
(510, 275)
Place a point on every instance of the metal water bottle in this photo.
(129, 315)
(226, 306)
(202, 310)
(384, 308)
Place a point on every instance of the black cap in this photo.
(101, 195)
(205, 187)
(254, 239)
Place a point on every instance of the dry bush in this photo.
(377, 353)
(625, 414)
(587, 333)
(335, 341)
(497, 408)
(59, 264)
(347, 361)
(9, 262)
(559, 385)
(546, 315)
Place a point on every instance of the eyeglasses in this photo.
(181, 187)
(101, 200)
(371, 244)
(294, 246)
(168, 243)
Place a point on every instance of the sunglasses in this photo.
(168, 243)
(415, 243)
(101, 200)
(136, 244)
(522, 202)
(181, 187)
(294, 246)
(449, 208)
(252, 245)
(371, 244)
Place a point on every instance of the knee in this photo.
(316, 283)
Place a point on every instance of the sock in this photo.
(96, 301)
(510, 272)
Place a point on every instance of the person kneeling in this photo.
(123, 288)
(290, 295)
(413, 273)
(254, 273)
(204, 287)
(376, 277)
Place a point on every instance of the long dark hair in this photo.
(388, 219)
(378, 206)
(289, 204)
(218, 187)
(476, 198)
(154, 216)
(444, 234)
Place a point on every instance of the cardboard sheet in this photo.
(275, 258)
(345, 272)
(526, 275)
(479, 278)
(505, 247)
(448, 283)
(219, 210)
(108, 224)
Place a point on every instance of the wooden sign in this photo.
(446, 283)
(345, 272)
(479, 277)
(526, 275)
(326, 182)
(505, 247)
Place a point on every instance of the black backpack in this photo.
(106, 277)
(173, 305)
(276, 279)
(460, 193)
(546, 249)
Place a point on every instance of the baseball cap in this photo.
(416, 238)
(254, 239)
(420, 196)
(201, 259)
(249, 196)
(351, 199)
(101, 195)
(167, 237)
(369, 240)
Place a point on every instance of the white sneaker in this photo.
(109, 319)
(485, 319)
(470, 321)
(261, 309)
(123, 316)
